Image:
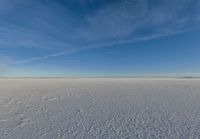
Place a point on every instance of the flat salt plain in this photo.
(115, 108)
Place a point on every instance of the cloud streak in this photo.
(76, 25)
(89, 48)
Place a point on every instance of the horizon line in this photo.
(75, 77)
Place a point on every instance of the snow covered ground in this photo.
(99, 108)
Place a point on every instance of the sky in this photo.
(68, 38)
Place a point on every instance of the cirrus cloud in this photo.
(68, 25)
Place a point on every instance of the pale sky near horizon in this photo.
(99, 37)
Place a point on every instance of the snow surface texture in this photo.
(99, 108)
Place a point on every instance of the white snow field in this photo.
(115, 108)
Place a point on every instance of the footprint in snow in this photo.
(3, 120)
(22, 122)
(69, 93)
(78, 110)
(51, 98)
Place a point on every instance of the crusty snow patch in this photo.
(99, 108)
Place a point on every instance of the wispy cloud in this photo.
(71, 26)
(4, 61)
(92, 47)
(41, 57)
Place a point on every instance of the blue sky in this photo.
(99, 37)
